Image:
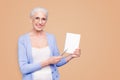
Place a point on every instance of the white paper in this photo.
(72, 42)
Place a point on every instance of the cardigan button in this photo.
(55, 69)
(52, 72)
(56, 76)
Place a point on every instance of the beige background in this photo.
(98, 22)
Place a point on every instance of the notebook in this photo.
(72, 42)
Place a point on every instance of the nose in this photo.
(40, 21)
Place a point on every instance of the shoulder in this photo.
(23, 37)
(51, 36)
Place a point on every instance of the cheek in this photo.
(44, 22)
(34, 22)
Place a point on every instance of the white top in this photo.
(39, 55)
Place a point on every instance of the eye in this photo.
(37, 18)
(43, 18)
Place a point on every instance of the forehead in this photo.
(40, 14)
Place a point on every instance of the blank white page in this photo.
(72, 42)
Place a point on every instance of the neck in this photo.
(37, 33)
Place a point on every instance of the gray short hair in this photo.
(39, 9)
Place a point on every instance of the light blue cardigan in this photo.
(27, 67)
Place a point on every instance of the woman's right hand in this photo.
(51, 60)
(54, 59)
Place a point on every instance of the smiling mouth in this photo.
(39, 25)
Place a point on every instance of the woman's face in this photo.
(39, 20)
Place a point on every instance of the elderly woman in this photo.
(38, 55)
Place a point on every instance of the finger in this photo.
(77, 48)
(59, 57)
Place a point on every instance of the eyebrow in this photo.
(39, 17)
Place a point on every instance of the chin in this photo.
(39, 30)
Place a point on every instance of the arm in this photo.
(24, 64)
(75, 54)
(56, 53)
(68, 58)
(51, 60)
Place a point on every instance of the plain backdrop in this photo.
(98, 22)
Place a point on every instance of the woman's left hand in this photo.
(76, 53)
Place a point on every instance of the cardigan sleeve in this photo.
(25, 66)
(56, 53)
